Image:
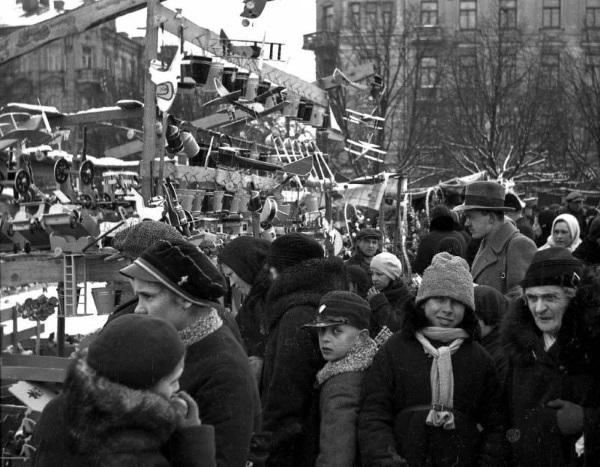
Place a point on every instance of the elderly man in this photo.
(550, 342)
(175, 281)
(574, 206)
(504, 253)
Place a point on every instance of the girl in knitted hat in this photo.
(431, 396)
(121, 404)
(387, 293)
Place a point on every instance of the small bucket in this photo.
(244, 201)
(241, 82)
(251, 88)
(227, 202)
(197, 68)
(174, 141)
(197, 202)
(106, 299)
(190, 145)
(208, 201)
(218, 200)
(236, 203)
(311, 202)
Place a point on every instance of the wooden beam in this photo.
(26, 39)
(124, 150)
(211, 42)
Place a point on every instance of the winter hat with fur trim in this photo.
(448, 276)
(291, 249)
(133, 240)
(136, 351)
(388, 264)
(182, 268)
(245, 256)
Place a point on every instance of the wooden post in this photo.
(149, 103)
(38, 331)
(161, 151)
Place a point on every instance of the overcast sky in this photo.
(283, 21)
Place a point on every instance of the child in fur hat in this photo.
(386, 295)
(342, 325)
(431, 387)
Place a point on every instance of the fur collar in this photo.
(575, 342)
(358, 358)
(304, 285)
(201, 328)
(106, 417)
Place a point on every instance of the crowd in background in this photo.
(488, 358)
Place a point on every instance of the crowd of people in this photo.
(491, 361)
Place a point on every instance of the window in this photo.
(387, 12)
(592, 14)
(371, 14)
(592, 67)
(355, 15)
(428, 72)
(429, 13)
(550, 69)
(87, 57)
(467, 14)
(328, 18)
(51, 59)
(508, 14)
(468, 69)
(509, 69)
(551, 14)
(24, 64)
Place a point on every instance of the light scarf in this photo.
(204, 326)
(441, 376)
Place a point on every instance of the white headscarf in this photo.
(573, 226)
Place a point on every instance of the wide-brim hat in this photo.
(484, 196)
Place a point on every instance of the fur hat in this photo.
(387, 263)
(291, 249)
(553, 266)
(368, 232)
(136, 238)
(245, 256)
(182, 268)
(136, 351)
(341, 307)
(484, 196)
(448, 276)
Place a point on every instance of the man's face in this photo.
(547, 304)
(575, 205)
(478, 222)
(368, 246)
(156, 300)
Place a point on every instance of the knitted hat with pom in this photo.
(245, 256)
(182, 268)
(136, 351)
(448, 276)
(134, 239)
(388, 264)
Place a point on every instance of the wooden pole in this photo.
(149, 149)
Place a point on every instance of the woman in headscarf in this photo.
(565, 233)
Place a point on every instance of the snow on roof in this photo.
(13, 14)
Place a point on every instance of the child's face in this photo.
(335, 341)
(380, 280)
(444, 312)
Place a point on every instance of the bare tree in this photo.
(500, 88)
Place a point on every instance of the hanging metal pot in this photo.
(197, 68)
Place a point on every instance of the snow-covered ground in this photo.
(73, 325)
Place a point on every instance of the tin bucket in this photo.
(106, 299)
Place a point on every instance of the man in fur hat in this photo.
(551, 339)
(504, 253)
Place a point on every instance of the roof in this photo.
(13, 14)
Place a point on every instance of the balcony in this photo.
(88, 75)
(427, 34)
(320, 40)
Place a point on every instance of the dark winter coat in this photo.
(358, 259)
(292, 360)
(396, 399)
(567, 371)
(492, 343)
(589, 250)
(218, 376)
(108, 424)
(429, 246)
(251, 317)
(501, 261)
(385, 307)
(525, 228)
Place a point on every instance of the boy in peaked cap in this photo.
(342, 325)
